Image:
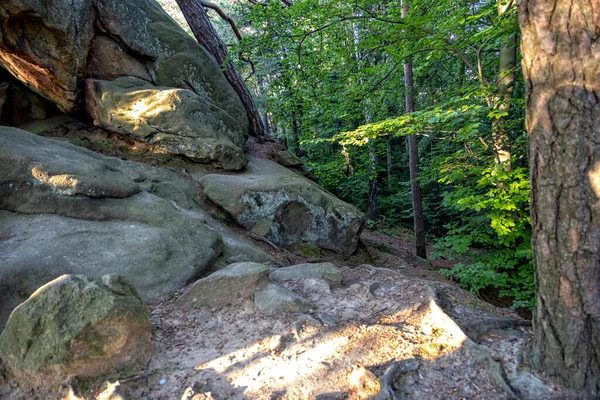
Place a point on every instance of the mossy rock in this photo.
(77, 326)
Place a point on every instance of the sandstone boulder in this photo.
(60, 48)
(271, 298)
(229, 285)
(287, 159)
(287, 208)
(68, 210)
(76, 326)
(326, 271)
(176, 121)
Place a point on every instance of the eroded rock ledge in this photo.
(68, 210)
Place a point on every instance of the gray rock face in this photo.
(235, 247)
(229, 285)
(55, 47)
(48, 49)
(326, 271)
(287, 207)
(73, 325)
(271, 298)
(176, 121)
(69, 210)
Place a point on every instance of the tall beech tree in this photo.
(413, 159)
(561, 65)
(206, 35)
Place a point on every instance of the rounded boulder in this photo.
(77, 326)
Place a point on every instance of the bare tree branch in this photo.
(224, 16)
(235, 30)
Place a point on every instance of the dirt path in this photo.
(374, 318)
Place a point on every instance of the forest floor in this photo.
(403, 328)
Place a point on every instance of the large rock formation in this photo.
(68, 210)
(90, 328)
(67, 52)
(285, 208)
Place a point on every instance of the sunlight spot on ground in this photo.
(223, 363)
(292, 367)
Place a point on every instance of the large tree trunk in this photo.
(505, 86)
(561, 64)
(413, 160)
(208, 38)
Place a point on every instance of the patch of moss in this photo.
(81, 142)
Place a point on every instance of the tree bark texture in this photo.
(205, 34)
(413, 160)
(561, 64)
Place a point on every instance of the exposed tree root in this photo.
(481, 354)
(386, 390)
(291, 257)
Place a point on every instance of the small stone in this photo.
(229, 285)
(274, 299)
(327, 319)
(317, 286)
(409, 365)
(364, 382)
(162, 381)
(306, 319)
(276, 344)
(203, 317)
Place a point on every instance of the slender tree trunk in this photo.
(293, 142)
(505, 86)
(266, 123)
(561, 64)
(373, 188)
(389, 160)
(413, 159)
(208, 38)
